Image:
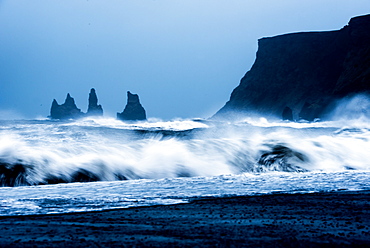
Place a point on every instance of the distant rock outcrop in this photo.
(307, 71)
(94, 108)
(287, 114)
(133, 110)
(67, 110)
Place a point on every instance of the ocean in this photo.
(92, 164)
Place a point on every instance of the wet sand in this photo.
(337, 219)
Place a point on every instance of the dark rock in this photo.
(94, 108)
(52, 179)
(80, 175)
(287, 114)
(67, 110)
(313, 110)
(133, 110)
(83, 175)
(281, 158)
(12, 175)
(307, 71)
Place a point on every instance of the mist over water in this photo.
(355, 108)
(49, 166)
(48, 152)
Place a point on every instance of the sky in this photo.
(182, 57)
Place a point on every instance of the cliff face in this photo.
(306, 72)
(134, 110)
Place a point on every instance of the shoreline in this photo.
(325, 219)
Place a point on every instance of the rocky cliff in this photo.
(93, 107)
(133, 110)
(67, 110)
(306, 72)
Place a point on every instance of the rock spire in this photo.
(94, 108)
(67, 110)
(133, 111)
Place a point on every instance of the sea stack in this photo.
(287, 114)
(68, 110)
(133, 111)
(94, 109)
(307, 71)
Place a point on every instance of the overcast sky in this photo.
(183, 57)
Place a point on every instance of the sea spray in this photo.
(355, 107)
(49, 152)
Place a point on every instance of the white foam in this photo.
(75, 197)
(60, 149)
(151, 124)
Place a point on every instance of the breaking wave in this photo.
(48, 152)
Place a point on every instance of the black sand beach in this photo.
(336, 219)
